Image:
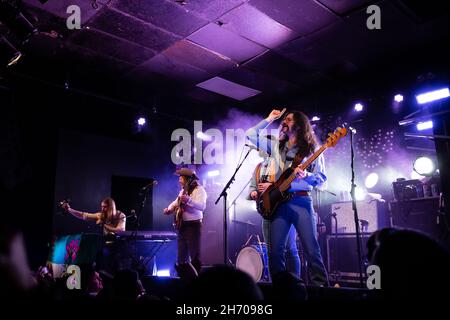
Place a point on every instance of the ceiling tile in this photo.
(252, 24)
(227, 43)
(132, 29)
(104, 43)
(164, 14)
(304, 16)
(193, 54)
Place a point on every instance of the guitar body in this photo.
(273, 196)
(269, 200)
(178, 219)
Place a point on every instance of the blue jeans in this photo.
(293, 264)
(297, 212)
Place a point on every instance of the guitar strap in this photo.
(297, 159)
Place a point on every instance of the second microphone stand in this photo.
(225, 216)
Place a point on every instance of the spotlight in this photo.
(141, 121)
(424, 166)
(315, 118)
(163, 273)
(358, 107)
(424, 125)
(371, 180)
(398, 98)
(432, 96)
(213, 173)
(8, 53)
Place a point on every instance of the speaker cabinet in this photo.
(342, 256)
(372, 216)
(421, 214)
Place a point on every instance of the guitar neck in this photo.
(303, 166)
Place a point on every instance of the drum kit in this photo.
(253, 259)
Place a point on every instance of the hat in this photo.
(186, 172)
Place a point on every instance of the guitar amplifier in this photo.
(421, 214)
(342, 256)
(372, 215)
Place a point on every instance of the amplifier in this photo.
(342, 256)
(421, 214)
(372, 215)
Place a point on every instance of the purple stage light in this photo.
(141, 121)
(432, 96)
(358, 107)
(424, 125)
(398, 98)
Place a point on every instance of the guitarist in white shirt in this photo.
(188, 207)
(296, 138)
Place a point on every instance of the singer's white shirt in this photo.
(193, 210)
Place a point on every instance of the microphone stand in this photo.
(224, 195)
(134, 234)
(355, 210)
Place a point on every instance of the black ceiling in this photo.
(139, 51)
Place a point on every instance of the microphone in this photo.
(281, 114)
(153, 183)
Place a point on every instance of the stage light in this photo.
(163, 273)
(213, 173)
(203, 136)
(424, 166)
(141, 121)
(424, 125)
(315, 118)
(360, 194)
(432, 96)
(9, 55)
(398, 98)
(371, 180)
(358, 107)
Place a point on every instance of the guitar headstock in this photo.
(62, 206)
(334, 137)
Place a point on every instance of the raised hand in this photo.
(275, 114)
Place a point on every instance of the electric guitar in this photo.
(178, 219)
(269, 200)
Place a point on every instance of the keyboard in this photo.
(147, 235)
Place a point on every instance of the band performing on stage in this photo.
(224, 151)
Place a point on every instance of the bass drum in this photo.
(253, 260)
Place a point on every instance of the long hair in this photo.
(306, 140)
(112, 212)
(192, 183)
